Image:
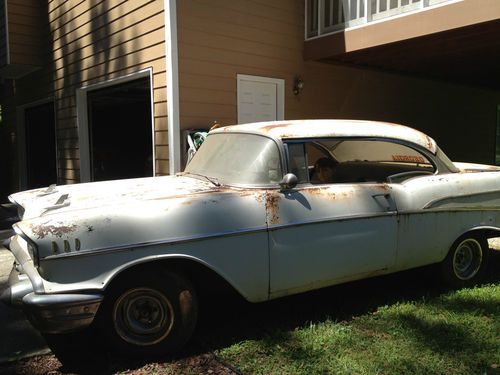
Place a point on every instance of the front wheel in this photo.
(150, 314)
(466, 262)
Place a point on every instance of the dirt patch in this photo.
(48, 364)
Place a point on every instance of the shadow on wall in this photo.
(85, 59)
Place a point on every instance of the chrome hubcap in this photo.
(143, 316)
(467, 259)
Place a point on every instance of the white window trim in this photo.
(173, 111)
(280, 92)
(21, 139)
(83, 121)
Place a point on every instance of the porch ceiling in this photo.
(468, 55)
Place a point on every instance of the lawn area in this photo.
(457, 332)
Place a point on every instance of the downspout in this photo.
(174, 146)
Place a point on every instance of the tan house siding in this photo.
(97, 41)
(27, 37)
(219, 39)
(3, 35)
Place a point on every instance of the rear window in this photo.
(355, 160)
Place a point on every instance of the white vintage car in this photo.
(271, 209)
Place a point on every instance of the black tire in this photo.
(150, 313)
(466, 262)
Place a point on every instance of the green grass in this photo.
(454, 333)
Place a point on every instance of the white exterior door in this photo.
(260, 99)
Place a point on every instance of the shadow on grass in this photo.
(229, 320)
(443, 337)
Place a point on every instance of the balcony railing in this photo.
(328, 16)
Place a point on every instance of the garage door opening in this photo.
(120, 131)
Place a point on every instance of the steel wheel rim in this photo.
(143, 316)
(467, 259)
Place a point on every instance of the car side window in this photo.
(297, 161)
(356, 161)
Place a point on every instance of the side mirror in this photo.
(289, 181)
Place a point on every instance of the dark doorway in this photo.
(120, 131)
(41, 168)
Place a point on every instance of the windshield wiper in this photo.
(213, 180)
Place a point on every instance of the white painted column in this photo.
(174, 144)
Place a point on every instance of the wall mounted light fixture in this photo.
(298, 85)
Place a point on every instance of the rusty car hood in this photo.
(105, 216)
(57, 199)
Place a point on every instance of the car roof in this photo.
(295, 129)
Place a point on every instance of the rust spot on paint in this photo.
(244, 193)
(192, 194)
(323, 192)
(345, 194)
(430, 144)
(259, 197)
(272, 207)
(267, 128)
(42, 230)
(383, 188)
(480, 168)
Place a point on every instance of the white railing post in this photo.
(321, 6)
(330, 16)
(334, 15)
(346, 10)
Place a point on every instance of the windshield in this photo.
(238, 159)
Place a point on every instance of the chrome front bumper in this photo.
(59, 313)
(49, 313)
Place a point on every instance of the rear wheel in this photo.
(465, 264)
(150, 314)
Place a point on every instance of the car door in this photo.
(328, 233)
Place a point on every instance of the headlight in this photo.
(28, 244)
